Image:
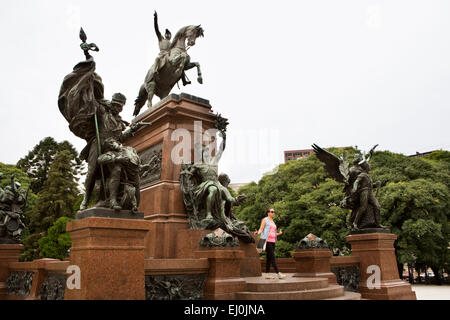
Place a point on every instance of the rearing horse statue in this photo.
(169, 66)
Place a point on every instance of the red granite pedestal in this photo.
(251, 262)
(110, 255)
(161, 198)
(224, 275)
(377, 249)
(314, 263)
(8, 253)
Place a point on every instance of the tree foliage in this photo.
(57, 199)
(38, 161)
(57, 241)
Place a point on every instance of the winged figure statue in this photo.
(358, 186)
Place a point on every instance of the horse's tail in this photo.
(140, 100)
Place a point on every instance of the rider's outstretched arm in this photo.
(221, 149)
(158, 34)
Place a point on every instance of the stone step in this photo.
(348, 295)
(332, 291)
(290, 283)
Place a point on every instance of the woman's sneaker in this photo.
(269, 276)
(281, 276)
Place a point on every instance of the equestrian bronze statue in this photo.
(170, 64)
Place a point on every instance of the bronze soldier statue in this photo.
(98, 121)
(13, 200)
(206, 197)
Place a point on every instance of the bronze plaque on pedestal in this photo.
(152, 157)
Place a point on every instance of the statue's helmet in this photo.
(118, 98)
(224, 179)
(168, 34)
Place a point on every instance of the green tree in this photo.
(57, 198)
(414, 197)
(57, 241)
(38, 161)
(305, 200)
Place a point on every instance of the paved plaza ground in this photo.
(431, 292)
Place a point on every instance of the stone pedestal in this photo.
(376, 250)
(251, 262)
(188, 242)
(110, 255)
(108, 213)
(314, 263)
(161, 196)
(224, 275)
(8, 253)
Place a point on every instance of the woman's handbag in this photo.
(261, 246)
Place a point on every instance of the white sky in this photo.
(285, 73)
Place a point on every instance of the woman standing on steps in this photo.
(268, 231)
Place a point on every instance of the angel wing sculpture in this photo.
(358, 187)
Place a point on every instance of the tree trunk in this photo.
(400, 270)
(411, 274)
(437, 277)
(419, 278)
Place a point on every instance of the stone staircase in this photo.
(293, 288)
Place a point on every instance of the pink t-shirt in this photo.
(272, 232)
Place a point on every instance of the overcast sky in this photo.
(285, 73)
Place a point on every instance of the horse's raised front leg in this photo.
(151, 91)
(199, 73)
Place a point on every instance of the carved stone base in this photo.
(54, 286)
(108, 213)
(347, 276)
(174, 287)
(19, 283)
(314, 263)
(376, 253)
(8, 253)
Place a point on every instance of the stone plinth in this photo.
(314, 263)
(188, 242)
(161, 196)
(108, 213)
(224, 274)
(250, 263)
(110, 255)
(8, 253)
(377, 250)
